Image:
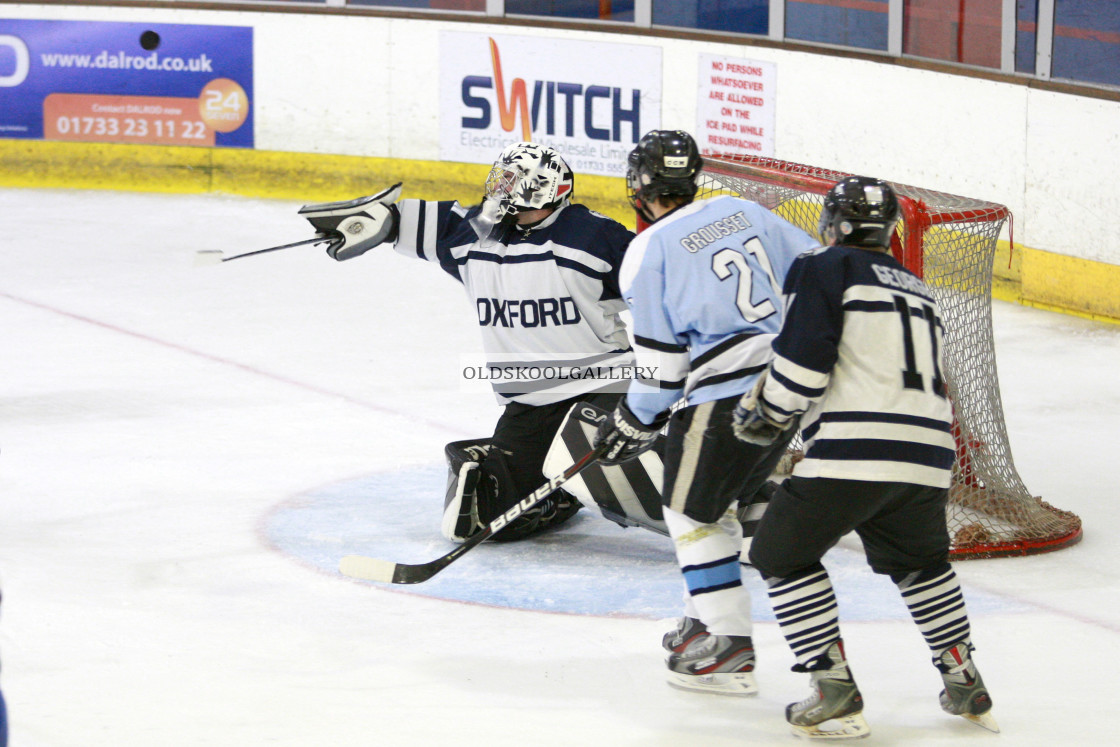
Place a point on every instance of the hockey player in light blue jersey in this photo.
(703, 284)
(541, 274)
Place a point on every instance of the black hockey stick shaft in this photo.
(212, 256)
(372, 569)
(316, 240)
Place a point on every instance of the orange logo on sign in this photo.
(518, 95)
(223, 105)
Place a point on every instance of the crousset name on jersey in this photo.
(715, 231)
(527, 312)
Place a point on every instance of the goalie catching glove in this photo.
(625, 436)
(355, 226)
(752, 423)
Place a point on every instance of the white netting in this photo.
(950, 242)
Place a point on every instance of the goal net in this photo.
(949, 242)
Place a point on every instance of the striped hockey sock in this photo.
(805, 606)
(936, 603)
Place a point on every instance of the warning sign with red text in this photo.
(735, 110)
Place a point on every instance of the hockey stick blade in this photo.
(370, 569)
(205, 257)
(386, 571)
(215, 256)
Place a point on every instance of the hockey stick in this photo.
(386, 571)
(214, 256)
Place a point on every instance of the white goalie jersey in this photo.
(546, 298)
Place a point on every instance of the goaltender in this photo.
(542, 274)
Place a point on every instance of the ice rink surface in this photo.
(172, 438)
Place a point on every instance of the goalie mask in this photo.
(526, 176)
(859, 211)
(665, 163)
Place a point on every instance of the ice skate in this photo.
(720, 664)
(688, 630)
(964, 694)
(835, 709)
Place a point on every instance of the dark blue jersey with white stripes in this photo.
(860, 355)
(547, 299)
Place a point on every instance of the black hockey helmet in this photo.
(859, 211)
(664, 163)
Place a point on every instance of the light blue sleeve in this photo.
(661, 351)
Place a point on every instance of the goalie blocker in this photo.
(353, 227)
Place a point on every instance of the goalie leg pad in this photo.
(460, 504)
(499, 490)
(627, 494)
(479, 487)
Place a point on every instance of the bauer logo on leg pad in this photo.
(527, 503)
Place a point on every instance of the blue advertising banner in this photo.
(151, 83)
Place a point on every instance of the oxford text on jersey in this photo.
(528, 312)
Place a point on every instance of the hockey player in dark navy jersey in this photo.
(541, 273)
(858, 367)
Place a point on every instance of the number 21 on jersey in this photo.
(725, 259)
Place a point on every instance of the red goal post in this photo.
(950, 242)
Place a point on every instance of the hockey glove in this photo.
(356, 226)
(625, 436)
(750, 422)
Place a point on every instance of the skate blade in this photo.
(852, 726)
(739, 684)
(984, 720)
